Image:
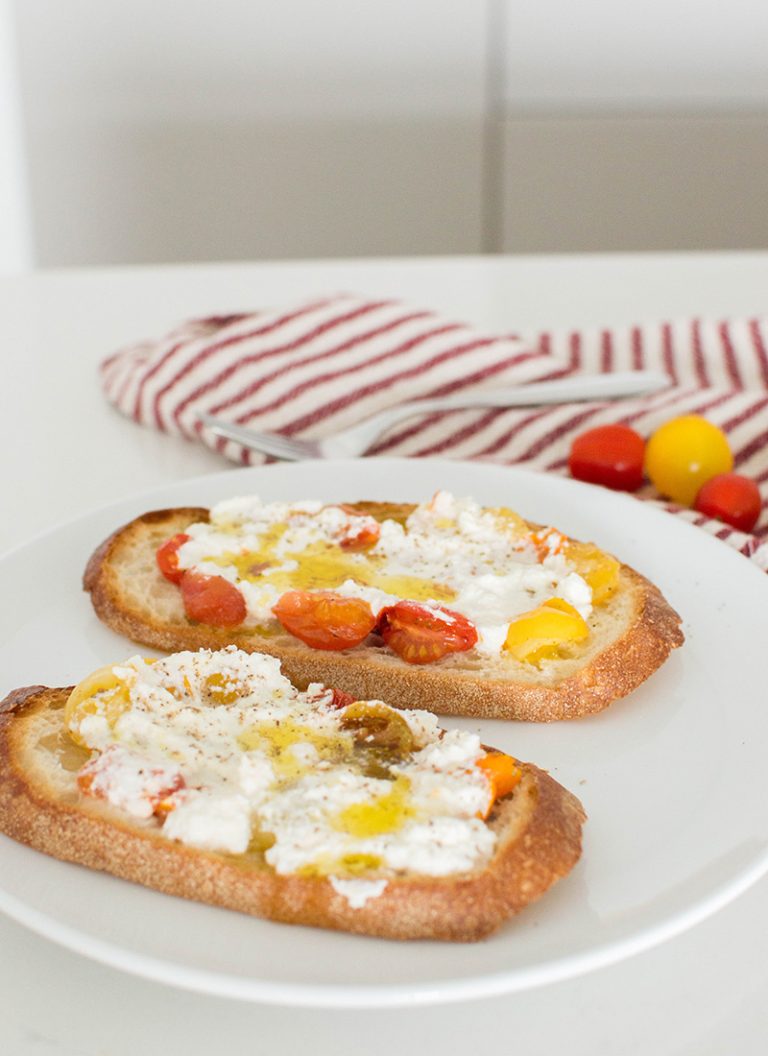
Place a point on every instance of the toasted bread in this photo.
(537, 827)
(630, 637)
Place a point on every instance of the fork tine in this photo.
(271, 445)
(268, 443)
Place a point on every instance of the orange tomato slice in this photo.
(502, 772)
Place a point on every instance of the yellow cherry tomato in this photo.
(544, 633)
(683, 454)
(101, 693)
(600, 570)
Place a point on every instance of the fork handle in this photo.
(564, 390)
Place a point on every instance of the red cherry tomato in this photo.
(421, 634)
(212, 599)
(341, 699)
(324, 619)
(363, 531)
(168, 557)
(731, 498)
(611, 455)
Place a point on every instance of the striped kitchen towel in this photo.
(317, 367)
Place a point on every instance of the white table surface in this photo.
(65, 451)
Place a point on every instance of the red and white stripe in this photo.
(314, 368)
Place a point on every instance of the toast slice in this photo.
(536, 840)
(630, 636)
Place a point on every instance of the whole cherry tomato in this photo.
(168, 557)
(325, 619)
(212, 599)
(420, 634)
(611, 455)
(731, 498)
(685, 453)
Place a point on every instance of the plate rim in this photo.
(343, 996)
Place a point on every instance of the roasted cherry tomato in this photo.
(420, 634)
(100, 693)
(340, 699)
(324, 619)
(548, 542)
(685, 453)
(545, 633)
(212, 599)
(168, 557)
(363, 531)
(502, 772)
(375, 725)
(731, 498)
(611, 455)
(600, 570)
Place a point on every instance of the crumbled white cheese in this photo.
(451, 542)
(358, 892)
(255, 775)
(454, 748)
(376, 598)
(238, 749)
(128, 781)
(211, 821)
(423, 725)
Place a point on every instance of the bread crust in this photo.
(649, 632)
(538, 827)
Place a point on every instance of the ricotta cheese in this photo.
(358, 892)
(451, 552)
(224, 754)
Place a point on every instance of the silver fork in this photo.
(358, 439)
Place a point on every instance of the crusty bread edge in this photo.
(612, 674)
(531, 855)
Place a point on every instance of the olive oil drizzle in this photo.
(366, 819)
(325, 566)
(387, 813)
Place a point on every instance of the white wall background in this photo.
(15, 228)
(636, 55)
(634, 125)
(163, 130)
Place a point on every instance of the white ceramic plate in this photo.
(673, 777)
